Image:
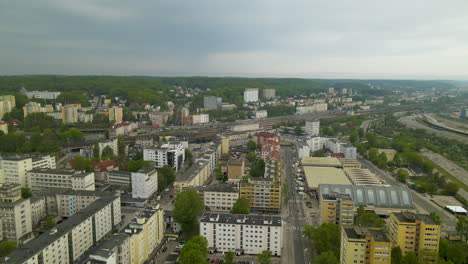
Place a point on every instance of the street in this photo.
(294, 245)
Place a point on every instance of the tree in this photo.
(187, 207)
(219, 173)
(229, 258)
(462, 227)
(326, 238)
(166, 176)
(435, 217)
(453, 251)
(251, 145)
(241, 206)
(361, 132)
(81, 163)
(72, 135)
(96, 153)
(257, 169)
(264, 257)
(397, 255)
(402, 175)
(39, 121)
(353, 137)
(50, 222)
(120, 147)
(26, 192)
(319, 153)
(194, 251)
(327, 257)
(6, 248)
(136, 165)
(251, 157)
(107, 152)
(298, 130)
(410, 258)
(188, 155)
(368, 219)
(451, 188)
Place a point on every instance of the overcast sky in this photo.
(422, 39)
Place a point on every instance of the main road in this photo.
(294, 244)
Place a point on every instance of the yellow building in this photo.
(5, 107)
(4, 127)
(364, 245)
(70, 113)
(336, 208)
(107, 101)
(146, 233)
(196, 175)
(235, 169)
(224, 145)
(116, 114)
(9, 98)
(31, 107)
(414, 232)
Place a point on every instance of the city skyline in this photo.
(308, 39)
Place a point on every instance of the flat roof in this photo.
(356, 232)
(359, 176)
(223, 218)
(321, 162)
(321, 175)
(191, 172)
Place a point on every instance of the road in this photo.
(365, 125)
(422, 203)
(294, 245)
(410, 121)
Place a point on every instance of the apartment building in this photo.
(4, 127)
(235, 169)
(11, 99)
(225, 145)
(40, 94)
(196, 175)
(144, 183)
(146, 232)
(15, 214)
(13, 169)
(70, 113)
(251, 95)
(112, 143)
(114, 249)
(120, 178)
(415, 232)
(259, 114)
(116, 114)
(171, 154)
(364, 245)
(312, 127)
(242, 234)
(200, 119)
(220, 197)
(71, 238)
(269, 93)
(336, 208)
(211, 102)
(38, 209)
(264, 194)
(39, 179)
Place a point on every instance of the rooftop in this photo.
(359, 176)
(191, 172)
(322, 175)
(250, 219)
(321, 162)
(221, 187)
(410, 217)
(356, 232)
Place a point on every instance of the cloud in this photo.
(301, 38)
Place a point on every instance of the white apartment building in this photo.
(220, 197)
(15, 214)
(251, 95)
(312, 127)
(316, 143)
(303, 150)
(40, 94)
(260, 114)
(121, 178)
(13, 169)
(172, 154)
(45, 162)
(200, 119)
(144, 183)
(112, 250)
(243, 234)
(38, 209)
(71, 238)
(319, 107)
(332, 144)
(39, 179)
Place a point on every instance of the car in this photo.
(179, 246)
(164, 249)
(182, 242)
(167, 190)
(177, 251)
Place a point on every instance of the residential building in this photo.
(196, 175)
(319, 107)
(364, 245)
(4, 127)
(303, 150)
(374, 102)
(121, 178)
(5, 107)
(146, 232)
(9, 98)
(171, 154)
(71, 238)
(38, 209)
(200, 119)
(251, 95)
(235, 169)
(416, 233)
(144, 183)
(43, 162)
(211, 102)
(336, 208)
(312, 127)
(464, 112)
(248, 234)
(111, 143)
(116, 114)
(144, 142)
(114, 249)
(70, 113)
(260, 114)
(220, 197)
(263, 136)
(31, 107)
(224, 145)
(40, 94)
(269, 93)
(14, 169)
(15, 214)
(39, 179)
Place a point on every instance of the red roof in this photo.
(103, 165)
(337, 155)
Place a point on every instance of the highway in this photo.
(294, 245)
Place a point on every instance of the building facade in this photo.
(336, 208)
(144, 183)
(269, 93)
(312, 127)
(171, 154)
(364, 245)
(251, 95)
(40, 179)
(116, 114)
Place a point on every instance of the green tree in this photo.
(410, 258)
(73, 97)
(435, 217)
(96, 153)
(6, 248)
(402, 175)
(166, 176)
(368, 219)
(451, 188)
(327, 257)
(72, 135)
(107, 153)
(50, 222)
(319, 153)
(257, 169)
(187, 207)
(353, 137)
(264, 257)
(372, 139)
(462, 227)
(229, 258)
(241, 206)
(298, 130)
(188, 156)
(39, 121)
(326, 238)
(251, 145)
(251, 157)
(194, 251)
(81, 163)
(136, 165)
(120, 147)
(26, 192)
(219, 173)
(397, 255)
(453, 251)
(361, 132)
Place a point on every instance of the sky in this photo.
(398, 39)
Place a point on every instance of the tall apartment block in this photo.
(39, 179)
(251, 95)
(312, 127)
(415, 232)
(336, 208)
(15, 214)
(172, 154)
(364, 245)
(269, 93)
(116, 114)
